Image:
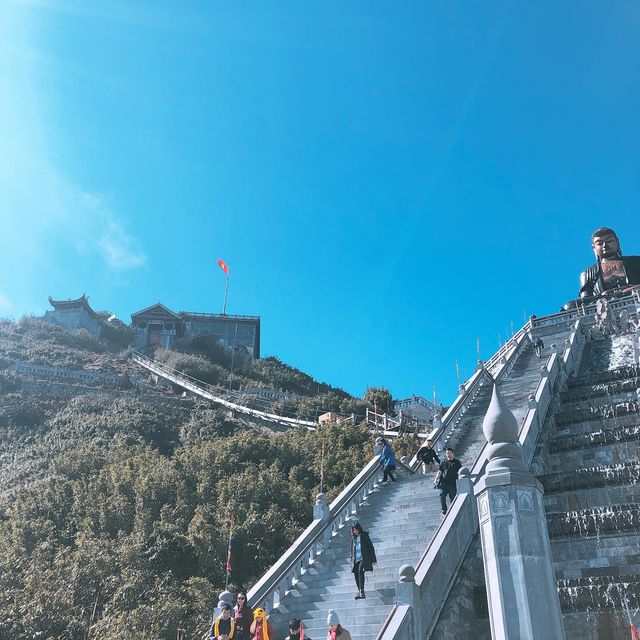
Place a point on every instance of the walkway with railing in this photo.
(216, 395)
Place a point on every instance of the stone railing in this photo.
(496, 363)
(82, 375)
(270, 590)
(437, 569)
(400, 623)
(202, 389)
(628, 302)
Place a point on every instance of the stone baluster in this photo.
(408, 593)
(521, 587)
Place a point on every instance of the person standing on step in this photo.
(363, 557)
(243, 616)
(446, 479)
(427, 455)
(336, 631)
(538, 346)
(387, 459)
(296, 630)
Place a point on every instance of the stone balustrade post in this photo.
(408, 593)
(519, 573)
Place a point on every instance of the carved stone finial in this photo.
(464, 472)
(501, 431)
(321, 508)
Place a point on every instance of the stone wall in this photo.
(465, 613)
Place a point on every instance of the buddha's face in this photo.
(606, 246)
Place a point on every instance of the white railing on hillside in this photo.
(438, 567)
(396, 426)
(202, 389)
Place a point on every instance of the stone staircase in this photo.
(401, 519)
(592, 493)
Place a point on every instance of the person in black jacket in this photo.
(446, 479)
(363, 556)
(427, 455)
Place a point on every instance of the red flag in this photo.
(233, 521)
(223, 266)
(635, 634)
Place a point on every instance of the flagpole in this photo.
(226, 291)
(232, 522)
(322, 467)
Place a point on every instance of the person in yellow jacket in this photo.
(261, 628)
(224, 625)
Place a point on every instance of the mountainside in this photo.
(115, 497)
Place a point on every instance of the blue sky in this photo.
(388, 181)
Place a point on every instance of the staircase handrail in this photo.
(396, 623)
(312, 541)
(513, 343)
(201, 388)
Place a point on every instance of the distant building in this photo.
(416, 407)
(158, 325)
(73, 314)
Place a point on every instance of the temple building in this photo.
(73, 314)
(157, 325)
(416, 407)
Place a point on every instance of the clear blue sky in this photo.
(387, 180)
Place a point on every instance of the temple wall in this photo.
(72, 319)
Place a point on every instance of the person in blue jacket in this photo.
(388, 460)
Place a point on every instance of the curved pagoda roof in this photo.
(81, 302)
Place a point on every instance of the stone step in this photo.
(605, 436)
(597, 413)
(604, 456)
(612, 519)
(599, 378)
(601, 390)
(614, 554)
(601, 592)
(591, 498)
(618, 474)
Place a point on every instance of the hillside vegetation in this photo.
(115, 507)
